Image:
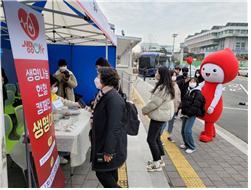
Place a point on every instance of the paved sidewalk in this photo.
(218, 163)
(138, 155)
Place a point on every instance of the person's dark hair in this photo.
(109, 76)
(195, 79)
(102, 62)
(197, 71)
(171, 72)
(53, 80)
(177, 67)
(185, 70)
(165, 81)
(62, 63)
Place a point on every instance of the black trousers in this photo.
(108, 179)
(153, 139)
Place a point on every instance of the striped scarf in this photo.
(99, 96)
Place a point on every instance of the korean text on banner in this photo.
(29, 48)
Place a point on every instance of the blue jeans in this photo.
(186, 132)
(168, 125)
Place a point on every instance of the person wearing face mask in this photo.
(177, 101)
(108, 133)
(183, 81)
(192, 106)
(198, 76)
(159, 109)
(177, 70)
(54, 97)
(67, 81)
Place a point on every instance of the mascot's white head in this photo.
(220, 67)
(212, 73)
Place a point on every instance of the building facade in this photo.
(155, 47)
(232, 35)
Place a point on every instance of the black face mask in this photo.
(185, 74)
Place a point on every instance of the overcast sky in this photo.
(156, 21)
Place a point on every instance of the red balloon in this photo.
(189, 60)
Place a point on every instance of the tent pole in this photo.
(28, 159)
(53, 21)
(106, 49)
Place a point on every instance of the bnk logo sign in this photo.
(29, 23)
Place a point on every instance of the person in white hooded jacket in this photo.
(160, 109)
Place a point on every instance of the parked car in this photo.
(243, 71)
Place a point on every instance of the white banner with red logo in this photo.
(29, 48)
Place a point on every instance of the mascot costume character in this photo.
(217, 68)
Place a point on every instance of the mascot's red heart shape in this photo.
(189, 60)
(29, 23)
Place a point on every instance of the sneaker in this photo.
(189, 151)
(63, 160)
(154, 167)
(182, 146)
(170, 139)
(161, 163)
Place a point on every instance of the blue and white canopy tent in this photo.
(76, 31)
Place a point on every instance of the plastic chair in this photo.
(11, 87)
(20, 120)
(18, 155)
(10, 144)
(8, 107)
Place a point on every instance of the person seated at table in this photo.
(108, 136)
(55, 98)
(58, 102)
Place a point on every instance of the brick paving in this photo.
(218, 163)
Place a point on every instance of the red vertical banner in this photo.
(29, 48)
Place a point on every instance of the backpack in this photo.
(132, 121)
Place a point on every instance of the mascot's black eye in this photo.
(214, 70)
(204, 69)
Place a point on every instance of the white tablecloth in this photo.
(75, 140)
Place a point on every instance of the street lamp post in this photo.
(174, 36)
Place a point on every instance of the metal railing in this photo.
(126, 82)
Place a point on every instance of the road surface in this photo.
(234, 117)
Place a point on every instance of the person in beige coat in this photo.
(177, 101)
(67, 81)
(160, 109)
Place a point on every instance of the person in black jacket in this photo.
(108, 136)
(192, 106)
(183, 81)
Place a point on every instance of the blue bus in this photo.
(150, 61)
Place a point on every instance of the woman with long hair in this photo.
(169, 125)
(160, 109)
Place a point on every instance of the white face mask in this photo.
(192, 84)
(54, 90)
(174, 78)
(97, 83)
(63, 68)
(197, 75)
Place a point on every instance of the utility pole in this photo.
(174, 36)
